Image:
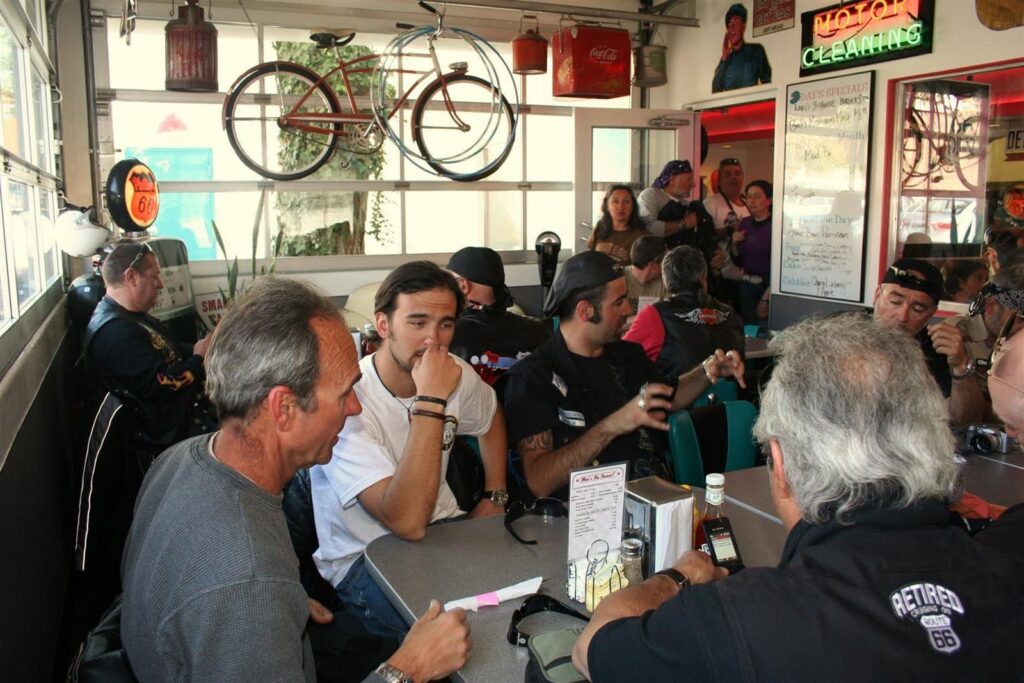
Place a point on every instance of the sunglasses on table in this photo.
(542, 507)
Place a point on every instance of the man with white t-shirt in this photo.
(388, 470)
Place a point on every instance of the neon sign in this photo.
(857, 33)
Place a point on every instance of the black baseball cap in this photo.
(483, 266)
(582, 271)
(929, 282)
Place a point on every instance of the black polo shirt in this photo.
(896, 595)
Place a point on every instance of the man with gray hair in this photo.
(211, 580)
(874, 583)
(681, 331)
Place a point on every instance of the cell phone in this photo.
(722, 544)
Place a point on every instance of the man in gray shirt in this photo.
(211, 582)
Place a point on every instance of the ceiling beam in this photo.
(576, 11)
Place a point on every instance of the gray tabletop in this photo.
(996, 478)
(470, 557)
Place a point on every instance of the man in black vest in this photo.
(585, 398)
(487, 336)
(681, 331)
(875, 583)
(907, 299)
(133, 355)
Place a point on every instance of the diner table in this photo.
(996, 478)
(474, 556)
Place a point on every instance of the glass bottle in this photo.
(714, 499)
(632, 560)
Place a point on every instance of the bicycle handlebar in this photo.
(427, 7)
(404, 27)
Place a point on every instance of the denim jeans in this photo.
(360, 594)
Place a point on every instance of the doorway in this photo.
(745, 132)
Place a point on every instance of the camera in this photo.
(984, 439)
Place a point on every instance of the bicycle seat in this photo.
(326, 38)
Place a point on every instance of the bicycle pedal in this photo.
(459, 66)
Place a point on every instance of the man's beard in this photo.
(407, 366)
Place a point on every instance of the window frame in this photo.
(310, 264)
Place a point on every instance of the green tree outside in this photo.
(296, 211)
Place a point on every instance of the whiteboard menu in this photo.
(825, 181)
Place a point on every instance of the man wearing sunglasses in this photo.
(585, 398)
(133, 355)
(907, 299)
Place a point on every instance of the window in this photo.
(957, 171)
(31, 260)
(380, 204)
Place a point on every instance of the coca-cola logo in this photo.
(603, 53)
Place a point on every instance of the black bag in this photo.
(101, 658)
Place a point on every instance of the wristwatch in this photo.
(969, 369)
(676, 576)
(498, 497)
(393, 675)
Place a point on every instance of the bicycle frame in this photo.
(301, 121)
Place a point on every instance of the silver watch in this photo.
(393, 675)
(498, 496)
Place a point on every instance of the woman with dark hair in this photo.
(752, 247)
(619, 225)
(965, 278)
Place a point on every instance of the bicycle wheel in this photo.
(472, 141)
(260, 109)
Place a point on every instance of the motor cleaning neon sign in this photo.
(857, 33)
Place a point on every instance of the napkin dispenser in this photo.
(660, 513)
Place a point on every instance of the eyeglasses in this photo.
(146, 249)
(543, 507)
(989, 290)
(1000, 346)
(1019, 390)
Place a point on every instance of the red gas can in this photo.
(591, 61)
(191, 51)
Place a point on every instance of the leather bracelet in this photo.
(427, 413)
(677, 577)
(431, 399)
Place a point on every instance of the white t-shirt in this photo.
(369, 449)
(718, 207)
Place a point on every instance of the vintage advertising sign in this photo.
(853, 34)
(1015, 144)
(773, 15)
(133, 197)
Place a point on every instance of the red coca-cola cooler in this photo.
(591, 61)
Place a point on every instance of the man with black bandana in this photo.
(584, 398)
(487, 335)
(907, 298)
(662, 205)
